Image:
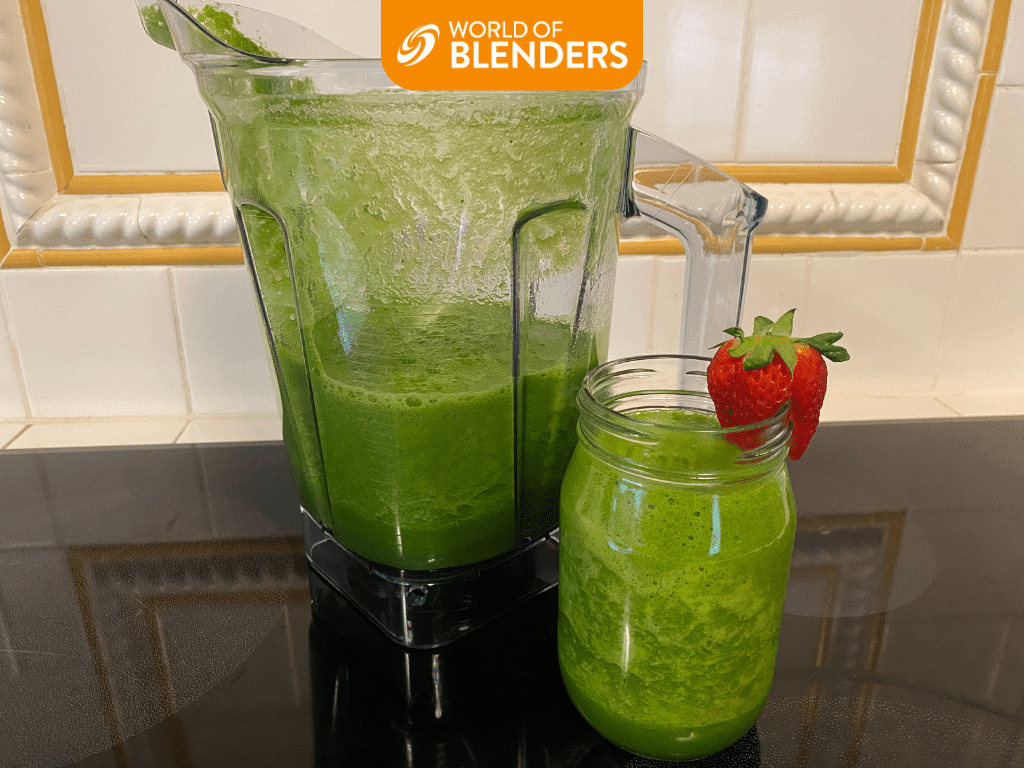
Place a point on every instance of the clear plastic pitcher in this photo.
(436, 273)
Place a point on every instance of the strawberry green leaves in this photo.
(769, 338)
(825, 343)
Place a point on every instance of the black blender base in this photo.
(425, 609)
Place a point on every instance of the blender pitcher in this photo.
(436, 270)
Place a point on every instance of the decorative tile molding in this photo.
(956, 68)
(26, 179)
(921, 206)
(132, 221)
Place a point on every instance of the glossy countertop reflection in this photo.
(154, 611)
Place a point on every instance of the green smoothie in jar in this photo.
(675, 550)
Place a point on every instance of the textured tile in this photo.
(11, 403)
(996, 403)
(817, 71)
(223, 342)
(694, 52)
(91, 434)
(839, 407)
(239, 429)
(96, 341)
(776, 284)
(993, 219)
(631, 312)
(8, 432)
(890, 308)
(986, 306)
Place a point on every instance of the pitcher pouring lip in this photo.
(222, 30)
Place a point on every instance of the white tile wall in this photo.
(12, 404)
(96, 341)
(994, 216)
(844, 408)
(983, 346)
(631, 313)
(102, 341)
(816, 69)
(668, 278)
(129, 104)
(8, 432)
(694, 53)
(231, 430)
(775, 285)
(1011, 70)
(222, 339)
(986, 403)
(88, 434)
(891, 307)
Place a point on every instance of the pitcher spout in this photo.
(218, 31)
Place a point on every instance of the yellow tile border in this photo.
(5, 242)
(21, 258)
(121, 184)
(972, 153)
(122, 257)
(814, 174)
(924, 47)
(46, 90)
(996, 36)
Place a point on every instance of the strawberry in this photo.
(751, 377)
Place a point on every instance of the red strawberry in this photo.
(751, 377)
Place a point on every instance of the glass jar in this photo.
(676, 537)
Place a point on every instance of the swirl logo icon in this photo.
(418, 44)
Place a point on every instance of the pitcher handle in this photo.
(712, 214)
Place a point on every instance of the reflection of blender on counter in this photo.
(436, 273)
(492, 700)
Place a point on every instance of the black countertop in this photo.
(154, 611)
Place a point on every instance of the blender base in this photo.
(425, 609)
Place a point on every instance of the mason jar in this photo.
(676, 538)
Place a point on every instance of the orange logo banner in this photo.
(532, 45)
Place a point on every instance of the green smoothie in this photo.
(671, 594)
(428, 377)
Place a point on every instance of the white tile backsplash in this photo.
(845, 408)
(891, 309)
(102, 341)
(631, 313)
(12, 401)
(1011, 70)
(668, 281)
(239, 429)
(776, 284)
(983, 403)
(151, 118)
(222, 340)
(997, 202)
(816, 69)
(983, 346)
(96, 341)
(10, 431)
(98, 433)
(694, 51)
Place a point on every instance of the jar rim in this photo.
(595, 402)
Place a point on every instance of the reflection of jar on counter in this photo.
(676, 537)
